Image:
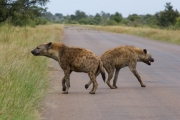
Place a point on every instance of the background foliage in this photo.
(168, 18)
(33, 12)
(23, 12)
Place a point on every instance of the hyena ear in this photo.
(49, 45)
(145, 51)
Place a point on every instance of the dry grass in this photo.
(170, 36)
(23, 77)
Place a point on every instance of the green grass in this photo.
(23, 77)
(170, 36)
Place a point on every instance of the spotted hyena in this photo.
(120, 57)
(72, 59)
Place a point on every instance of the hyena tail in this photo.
(102, 70)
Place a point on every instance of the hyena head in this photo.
(45, 49)
(146, 57)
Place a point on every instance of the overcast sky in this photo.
(125, 7)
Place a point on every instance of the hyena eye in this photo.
(38, 48)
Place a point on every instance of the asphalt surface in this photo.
(159, 100)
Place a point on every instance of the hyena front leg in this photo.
(115, 77)
(67, 79)
(134, 71)
(63, 83)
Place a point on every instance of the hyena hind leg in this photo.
(110, 76)
(116, 77)
(63, 84)
(95, 84)
(89, 83)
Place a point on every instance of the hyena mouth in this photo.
(150, 61)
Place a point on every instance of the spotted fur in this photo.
(120, 57)
(72, 59)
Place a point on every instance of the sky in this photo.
(125, 7)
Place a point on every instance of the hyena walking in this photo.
(72, 59)
(119, 57)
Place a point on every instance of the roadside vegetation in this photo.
(163, 25)
(23, 77)
(170, 36)
(169, 18)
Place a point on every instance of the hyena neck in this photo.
(54, 55)
(60, 51)
(140, 54)
(140, 58)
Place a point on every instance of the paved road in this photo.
(160, 100)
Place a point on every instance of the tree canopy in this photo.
(168, 16)
(20, 12)
(34, 12)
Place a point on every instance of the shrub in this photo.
(177, 25)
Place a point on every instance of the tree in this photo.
(59, 15)
(134, 20)
(148, 19)
(97, 18)
(168, 16)
(48, 15)
(20, 12)
(3, 11)
(90, 19)
(80, 14)
(73, 17)
(134, 17)
(105, 15)
(117, 17)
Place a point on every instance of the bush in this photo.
(41, 21)
(112, 22)
(83, 21)
(177, 25)
(125, 22)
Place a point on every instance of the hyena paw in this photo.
(143, 85)
(91, 92)
(64, 88)
(115, 86)
(65, 92)
(86, 86)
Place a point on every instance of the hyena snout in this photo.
(149, 61)
(35, 52)
(152, 60)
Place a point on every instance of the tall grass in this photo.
(23, 77)
(170, 36)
